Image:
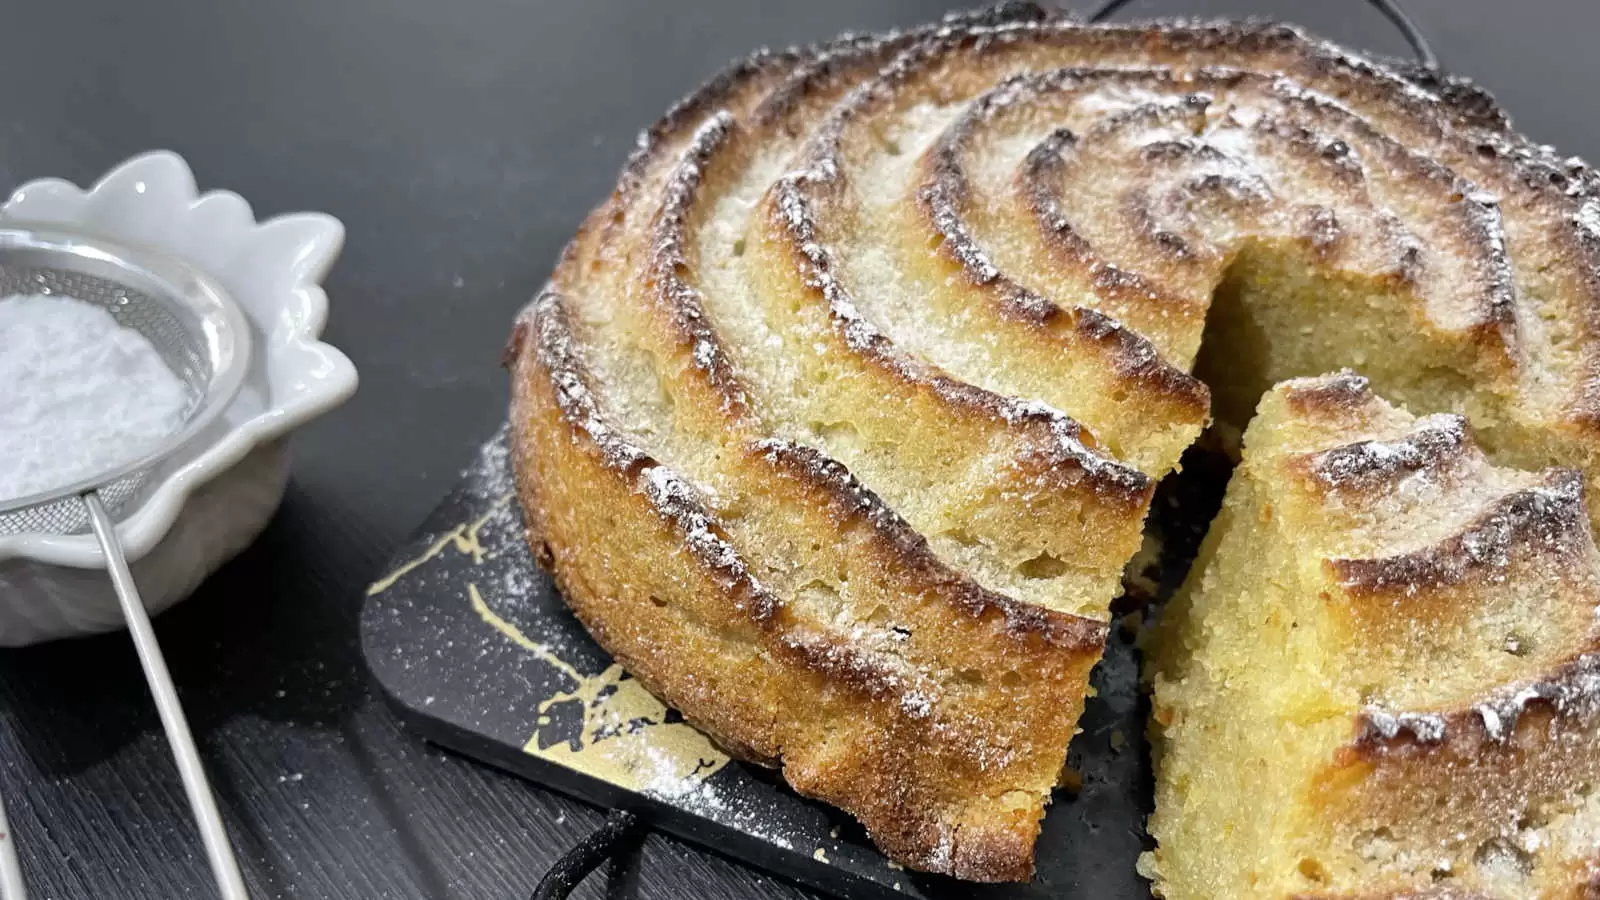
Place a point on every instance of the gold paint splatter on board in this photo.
(622, 735)
(463, 537)
(542, 651)
(624, 738)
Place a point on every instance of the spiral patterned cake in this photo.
(838, 421)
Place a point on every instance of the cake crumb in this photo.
(1071, 780)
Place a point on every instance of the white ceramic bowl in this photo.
(207, 503)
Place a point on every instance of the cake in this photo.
(1381, 678)
(838, 421)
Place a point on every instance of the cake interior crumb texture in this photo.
(1380, 672)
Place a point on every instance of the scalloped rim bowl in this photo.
(273, 270)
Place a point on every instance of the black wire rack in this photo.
(623, 829)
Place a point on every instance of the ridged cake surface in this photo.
(839, 419)
(1383, 676)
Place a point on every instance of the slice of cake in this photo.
(1383, 676)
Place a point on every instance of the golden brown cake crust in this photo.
(762, 568)
(900, 761)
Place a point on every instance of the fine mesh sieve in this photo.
(201, 336)
(204, 338)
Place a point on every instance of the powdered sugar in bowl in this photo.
(83, 394)
(212, 497)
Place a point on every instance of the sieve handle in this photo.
(11, 886)
(224, 867)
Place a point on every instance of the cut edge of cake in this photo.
(1350, 710)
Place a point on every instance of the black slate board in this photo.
(477, 652)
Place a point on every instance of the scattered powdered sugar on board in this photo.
(489, 477)
(81, 394)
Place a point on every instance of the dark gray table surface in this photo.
(460, 142)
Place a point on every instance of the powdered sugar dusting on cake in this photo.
(1434, 439)
(1547, 520)
(1575, 693)
(1572, 693)
(1023, 620)
(674, 497)
(943, 852)
(1377, 722)
(558, 354)
(1587, 218)
(668, 259)
(1068, 435)
(863, 337)
(681, 503)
